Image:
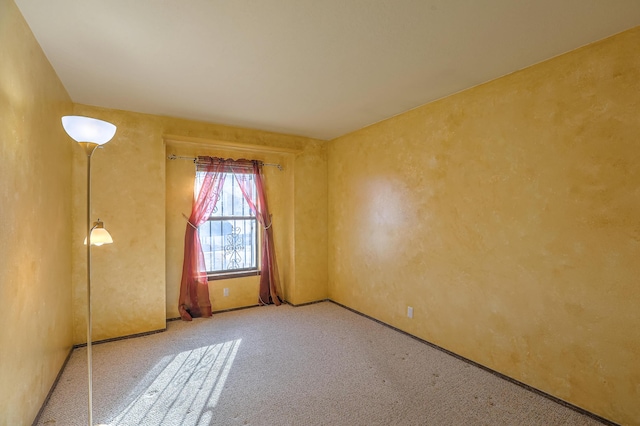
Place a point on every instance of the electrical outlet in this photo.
(226, 292)
(410, 311)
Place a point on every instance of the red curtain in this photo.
(269, 277)
(194, 289)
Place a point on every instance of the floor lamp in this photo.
(90, 133)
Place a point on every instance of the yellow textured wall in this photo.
(127, 284)
(310, 219)
(35, 222)
(507, 216)
(136, 280)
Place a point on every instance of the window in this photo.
(229, 238)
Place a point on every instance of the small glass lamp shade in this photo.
(99, 235)
(86, 129)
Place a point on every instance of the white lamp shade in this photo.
(86, 129)
(99, 236)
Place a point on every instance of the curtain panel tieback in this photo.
(187, 217)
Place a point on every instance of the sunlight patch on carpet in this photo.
(186, 391)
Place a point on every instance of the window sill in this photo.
(229, 275)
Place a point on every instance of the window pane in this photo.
(239, 206)
(229, 238)
(229, 244)
(231, 201)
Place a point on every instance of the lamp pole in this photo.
(90, 133)
(89, 148)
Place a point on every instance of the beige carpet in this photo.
(318, 364)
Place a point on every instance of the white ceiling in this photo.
(318, 68)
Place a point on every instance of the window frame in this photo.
(238, 272)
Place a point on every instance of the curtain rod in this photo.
(195, 159)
